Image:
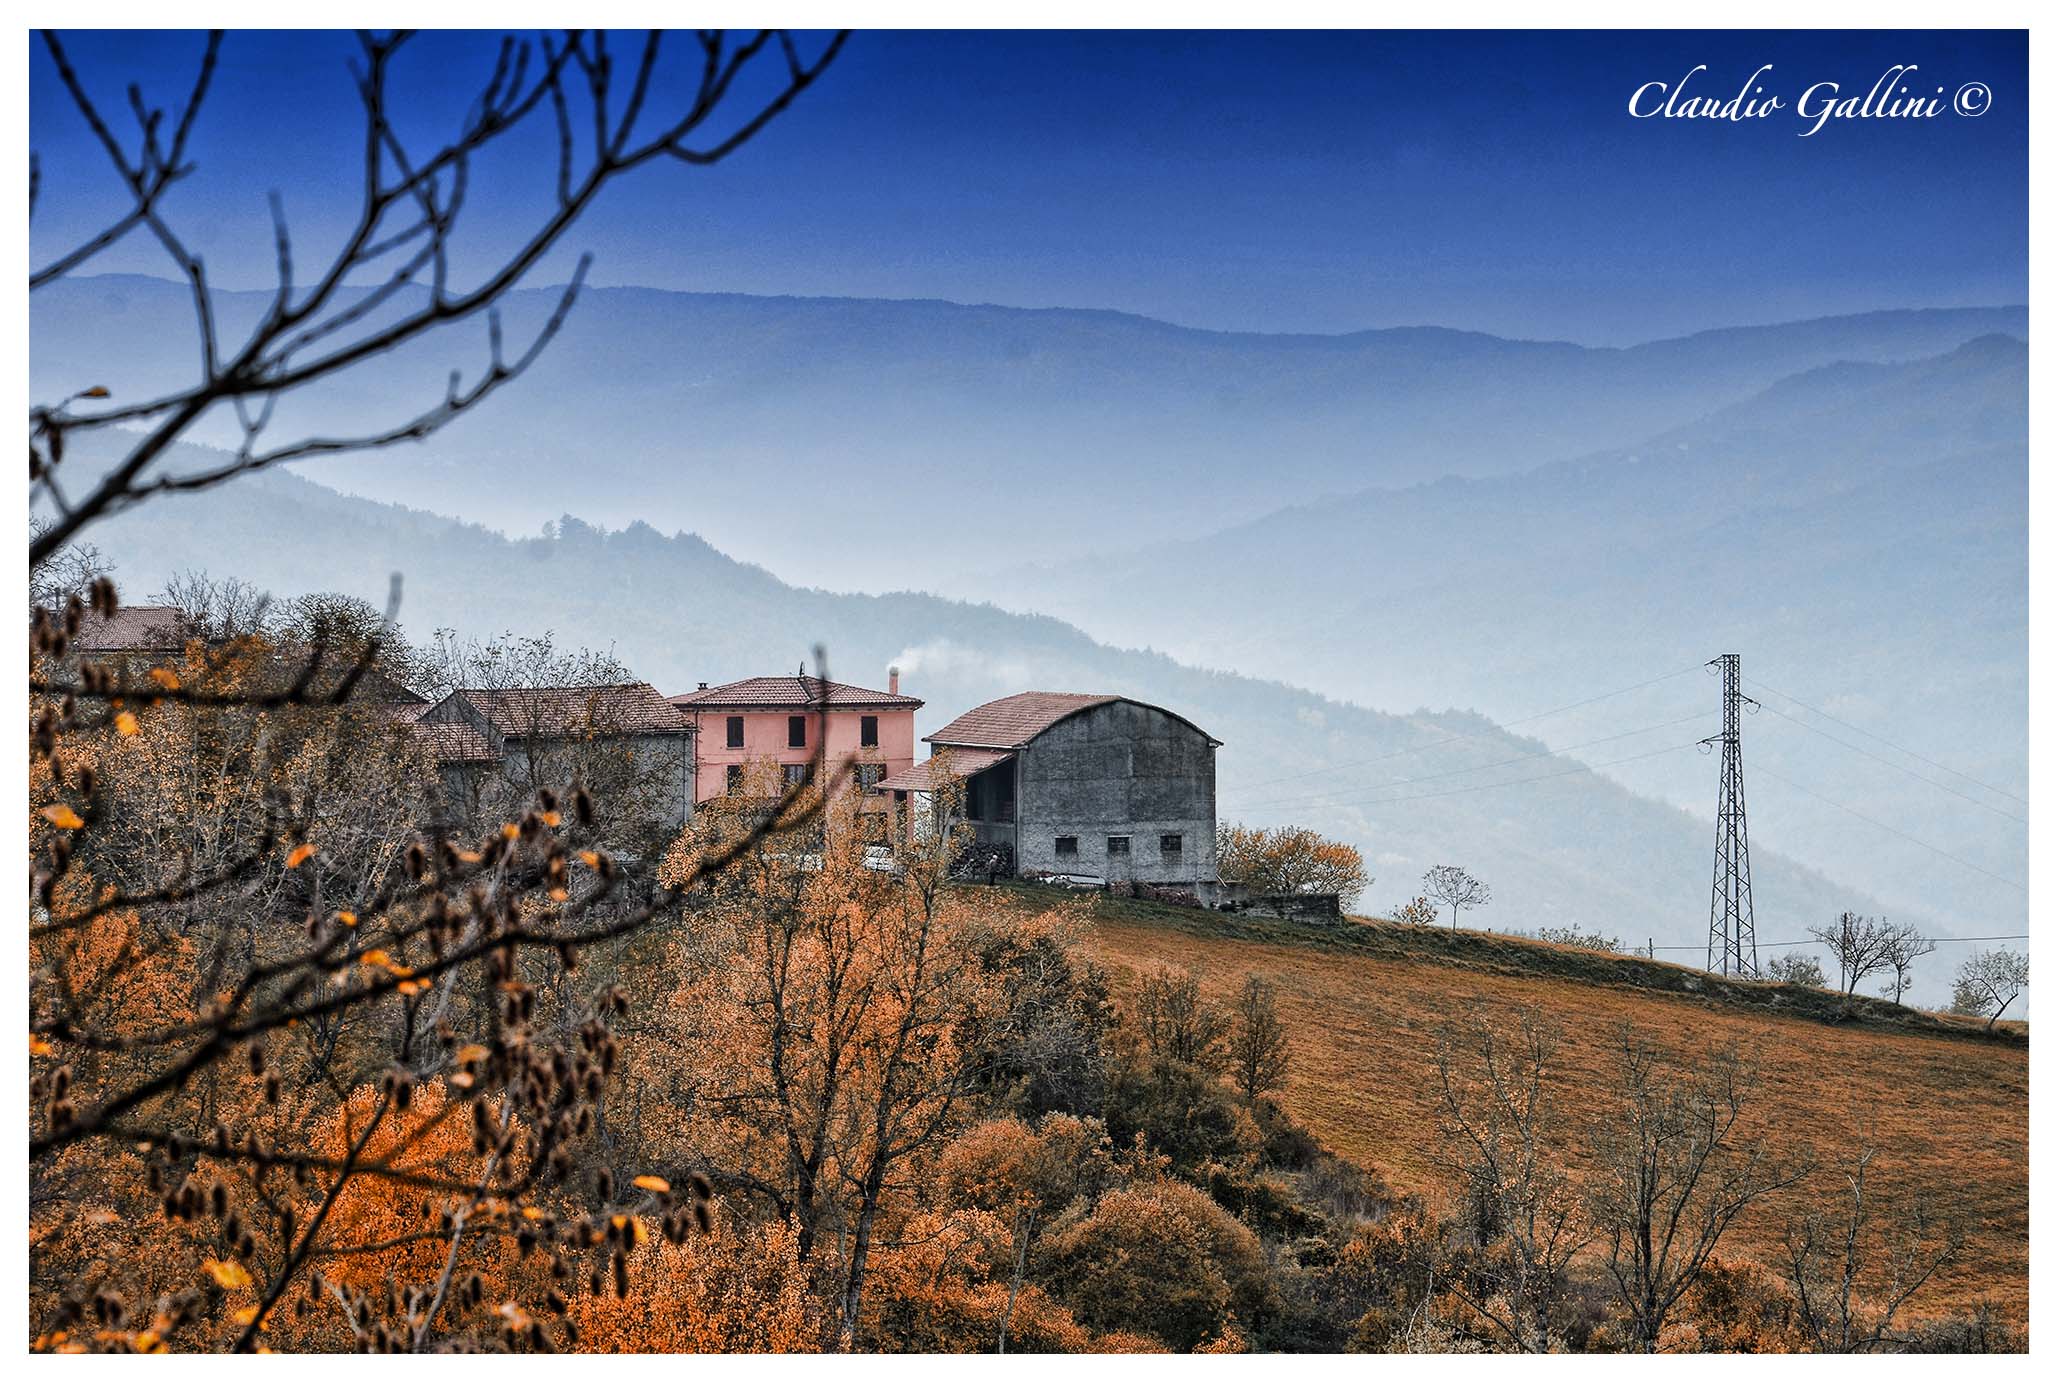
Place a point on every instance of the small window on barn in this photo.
(736, 732)
(1067, 845)
(1118, 845)
(1172, 843)
(735, 784)
(868, 730)
(796, 732)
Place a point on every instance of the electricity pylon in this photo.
(1733, 945)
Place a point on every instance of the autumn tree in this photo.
(1275, 861)
(1503, 1139)
(1179, 1116)
(833, 1035)
(218, 609)
(740, 1288)
(1453, 887)
(196, 802)
(1045, 1050)
(1988, 983)
(241, 821)
(1674, 1167)
(1258, 1047)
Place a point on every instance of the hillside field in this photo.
(1948, 1108)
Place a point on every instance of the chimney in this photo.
(704, 687)
(894, 681)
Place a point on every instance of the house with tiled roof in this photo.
(133, 629)
(624, 741)
(778, 723)
(148, 633)
(1090, 785)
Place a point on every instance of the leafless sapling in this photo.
(1258, 1039)
(1861, 946)
(1449, 884)
(1674, 1168)
(1854, 1271)
(1502, 1140)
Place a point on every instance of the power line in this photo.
(1857, 749)
(1934, 850)
(1956, 773)
(1817, 941)
(1516, 783)
(1470, 735)
(1322, 799)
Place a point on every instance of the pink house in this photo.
(867, 734)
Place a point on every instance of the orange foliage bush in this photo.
(1161, 1257)
(735, 1289)
(1006, 1167)
(1735, 1306)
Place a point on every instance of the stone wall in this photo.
(1120, 769)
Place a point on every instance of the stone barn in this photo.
(1084, 784)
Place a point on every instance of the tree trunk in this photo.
(1026, 1225)
(854, 1283)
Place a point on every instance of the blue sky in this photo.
(1278, 182)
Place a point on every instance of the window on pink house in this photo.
(797, 732)
(736, 732)
(868, 730)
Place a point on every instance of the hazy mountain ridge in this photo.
(678, 612)
(1858, 532)
(1854, 527)
(759, 418)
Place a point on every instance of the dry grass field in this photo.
(1948, 1109)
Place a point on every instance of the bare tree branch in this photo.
(338, 327)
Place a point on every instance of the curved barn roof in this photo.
(1009, 723)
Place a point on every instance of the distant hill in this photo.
(869, 445)
(1858, 532)
(1566, 846)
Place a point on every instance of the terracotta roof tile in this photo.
(921, 778)
(790, 691)
(451, 743)
(1012, 722)
(630, 708)
(133, 628)
(448, 742)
